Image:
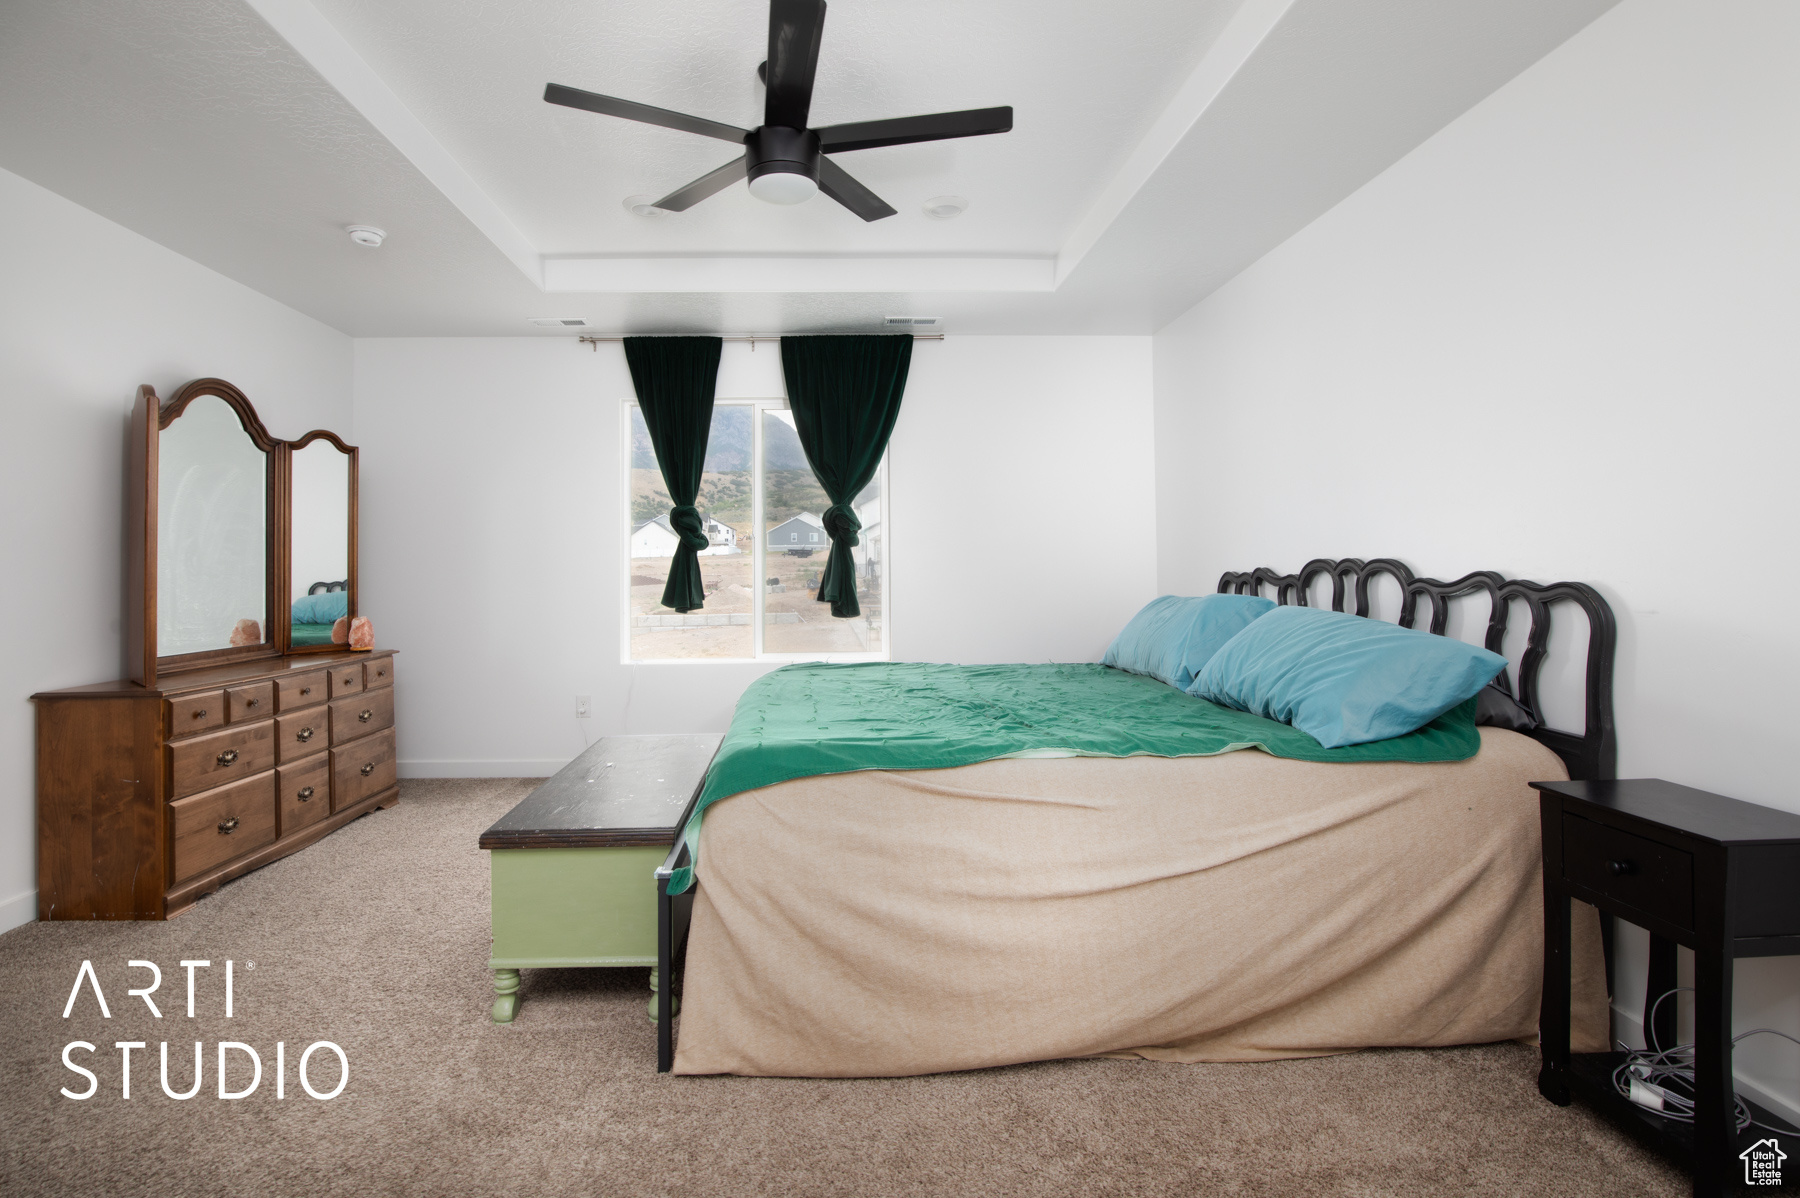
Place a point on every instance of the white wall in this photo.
(492, 530)
(88, 310)
(1558, 340)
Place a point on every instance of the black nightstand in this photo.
(1718, 875)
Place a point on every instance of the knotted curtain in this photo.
(675, 378)
(845, 395)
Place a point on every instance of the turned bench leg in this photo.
(506, 995)
(655, 993)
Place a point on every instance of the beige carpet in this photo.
(376, 939)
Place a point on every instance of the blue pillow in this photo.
(1343, 679)
(327, 607)
(1173, 637)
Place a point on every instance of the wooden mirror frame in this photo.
(148, 419)
(286, 555)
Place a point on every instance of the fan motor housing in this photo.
(777, 149)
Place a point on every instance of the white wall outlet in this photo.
(583, 707)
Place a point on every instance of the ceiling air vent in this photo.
(914, 322)
(559, 322)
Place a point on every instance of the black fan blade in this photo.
(705, 185)
(574, 97)
(836, 182)
(794, 29)
(938, 126)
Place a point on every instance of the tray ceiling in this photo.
(1159, 147)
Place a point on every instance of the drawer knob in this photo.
(228, 825)
(306, 690)
(366, 715)
(201, 714)
(1621, 867)
(251, 702)
(368, 769)
(304, 793)
(227, 757)
(381, 673)
(304, 734)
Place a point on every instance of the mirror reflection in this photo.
(320, 561)
(212, 532)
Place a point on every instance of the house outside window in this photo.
(760, 590)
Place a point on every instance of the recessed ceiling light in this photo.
(367, 235)
(559, 322)
(945, 207)
(644, 206)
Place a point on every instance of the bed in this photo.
(1198, 900)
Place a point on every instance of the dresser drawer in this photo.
(301, 690)
(301, 734)
(378, 673)
(346, 680)
(213, 827)
(220, 757)
(189, 714)
(1655, 878)
(361, 769)
(304, 792)
(360, 715)
(255, 701)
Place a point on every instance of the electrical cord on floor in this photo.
(1661, 1080)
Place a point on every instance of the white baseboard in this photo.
(528, 768)
(18, 910)
(1629, 1027)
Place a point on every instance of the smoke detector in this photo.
(367, 235)
(914, 322)
(644, 206)
(945, 207)
(559, 322)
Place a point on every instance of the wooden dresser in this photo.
(150, 797)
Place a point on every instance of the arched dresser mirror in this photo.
(321, 542)
(246, 726)
(212, 475)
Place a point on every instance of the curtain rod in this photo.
(593, 341)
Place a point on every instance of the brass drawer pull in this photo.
(228, 756)
(305, 793)
(305, 734)
(201, 714)
(368, 769)
(228, 825)
(366, 716)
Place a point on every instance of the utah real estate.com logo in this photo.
(235, 1057)
(1762, 1162)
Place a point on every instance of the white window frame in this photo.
(759, 552)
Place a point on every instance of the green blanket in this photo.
(814, 718)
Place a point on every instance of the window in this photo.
(763, 510)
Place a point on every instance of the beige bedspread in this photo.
(1231, 908)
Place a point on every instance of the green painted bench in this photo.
(572, 864)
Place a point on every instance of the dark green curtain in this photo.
(845, 393)
(675, 377)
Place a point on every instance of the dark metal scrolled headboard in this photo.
(1592, 755)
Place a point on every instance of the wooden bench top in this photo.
(625, 790)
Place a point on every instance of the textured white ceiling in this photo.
(194, 123)
(1084, 80)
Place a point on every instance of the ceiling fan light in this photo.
(642, 206)
(784, 187)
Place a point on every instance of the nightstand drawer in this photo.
(1654, 878)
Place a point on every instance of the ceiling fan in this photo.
(784, 160)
